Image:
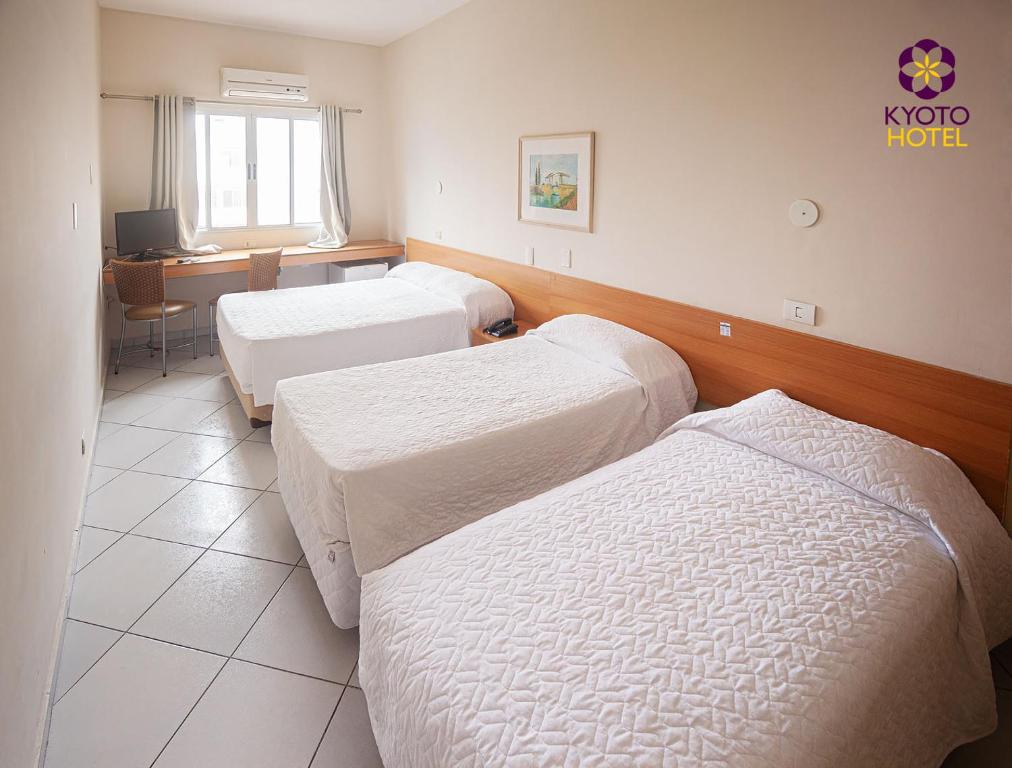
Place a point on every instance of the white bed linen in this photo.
(768, 586)
(388, 457)
(417, 309)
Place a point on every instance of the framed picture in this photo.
(557, 180)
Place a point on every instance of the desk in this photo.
(291, 256)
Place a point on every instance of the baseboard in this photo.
(42, 741)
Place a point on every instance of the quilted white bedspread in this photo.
(272, 335)
(768, 586)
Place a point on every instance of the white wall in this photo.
(711, 118)
(143, 54)
(49, 333)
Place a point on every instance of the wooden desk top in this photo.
(480, 337)
(291, 256)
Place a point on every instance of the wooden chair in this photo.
(262, 276)
(141, 289)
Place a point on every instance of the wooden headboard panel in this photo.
(967, 418)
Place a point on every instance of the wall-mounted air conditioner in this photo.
(275, 86)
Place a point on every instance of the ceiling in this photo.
(374, 22)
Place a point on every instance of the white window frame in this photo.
(250, 112)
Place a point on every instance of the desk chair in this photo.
(262, 276)
(141, 289)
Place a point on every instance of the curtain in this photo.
(335, 211)
(174, 167)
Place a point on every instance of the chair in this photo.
(262, 276)
(141, 289)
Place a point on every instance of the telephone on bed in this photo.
(504, 327)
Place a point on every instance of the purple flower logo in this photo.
(927, 69)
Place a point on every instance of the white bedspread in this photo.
(768, 586)
(392, 456)
(417, 309)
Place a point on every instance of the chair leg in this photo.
(194, 331)
(210, 328)
(119, 353)
(164, 372)
(151, 338)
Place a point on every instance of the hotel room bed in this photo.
(766, 586)
(417, 309)
(376, 460)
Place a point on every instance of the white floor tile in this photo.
(250, 465)
(175, 358)
(228, 420)
(125, 501)
(255, 718)
(125, 709)
(129, 377)
(178, 414)
(214, 604)
(130, 406)
(94, 541)
(83, 645)
(121, 583)
(198, 514)
(261, 435)
(219, 389)
(129, 445)
(296, 633)
(110, 394)
(204, 364)
(302, 562)
(273, 487)
(349, 742)
(263, 530)
(187, 455)
(100, 476)
(176, 384)
(354, 678)
(106, 428)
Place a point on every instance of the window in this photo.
(257, 167)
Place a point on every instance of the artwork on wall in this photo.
(557, 180)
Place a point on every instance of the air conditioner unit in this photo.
(274, 86)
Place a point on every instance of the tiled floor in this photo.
(196, 635)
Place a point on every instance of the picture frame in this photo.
(555, 185)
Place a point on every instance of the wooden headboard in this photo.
(967, 418)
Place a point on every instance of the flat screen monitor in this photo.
(140, 231)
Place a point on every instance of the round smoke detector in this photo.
(803, 213)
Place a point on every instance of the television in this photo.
(141, 231)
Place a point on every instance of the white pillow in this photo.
(484, 302)
(666, 379)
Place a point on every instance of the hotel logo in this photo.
(927, 70)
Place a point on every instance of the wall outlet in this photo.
(567, 258)
(529, 255)
(799, 312)
(725, 329)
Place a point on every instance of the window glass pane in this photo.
(273, 171)
(228, 171)
(307, 171)
(201, 171)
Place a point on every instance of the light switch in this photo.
(529, 254)
(567, 258)
(725, 329)
(75, 215)
(439, 234)
(799, 312)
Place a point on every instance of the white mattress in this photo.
(272, 335)
(378, 460)
(768, 586)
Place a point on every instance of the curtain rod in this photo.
(130, 97)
